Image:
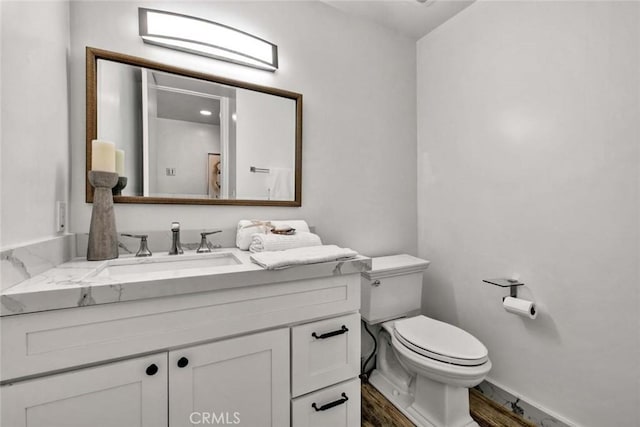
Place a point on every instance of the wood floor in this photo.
(377, 411)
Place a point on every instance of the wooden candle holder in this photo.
(103, 237)
(122, 182)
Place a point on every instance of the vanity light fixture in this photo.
(205, 112)
(207, 38)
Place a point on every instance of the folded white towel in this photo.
(309, 255)
(248, 228)
(281, 242)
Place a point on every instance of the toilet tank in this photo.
(392, 288)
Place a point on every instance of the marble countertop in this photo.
(77, 283)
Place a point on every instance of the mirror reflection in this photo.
(191, 139)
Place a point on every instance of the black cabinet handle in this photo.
(331, 334)
(330, 405)
(182, 362)
(152, 369)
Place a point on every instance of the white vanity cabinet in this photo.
(242, 356)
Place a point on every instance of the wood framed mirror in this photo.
(169, 120)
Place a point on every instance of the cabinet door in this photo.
(240, 381)
(129, 393)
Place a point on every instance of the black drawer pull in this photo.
(330, 405)
(331, 334)
(152, 369)
(182, 362)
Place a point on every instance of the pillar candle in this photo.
(103, 156)
(120, 162)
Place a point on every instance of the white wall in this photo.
(358, 82)
(120, 117)
(184, 146)
(265, 138)
(150, 174)
(528, 161)
(35, 124)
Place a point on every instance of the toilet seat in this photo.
(440, 341)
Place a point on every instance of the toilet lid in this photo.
(440, 341)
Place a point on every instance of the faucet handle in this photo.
(143, 250)
(204, 244)
(175, 226)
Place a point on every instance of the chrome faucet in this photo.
(205, 246)
(176, 247)
(143, 250)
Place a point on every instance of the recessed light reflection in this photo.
(205, 112)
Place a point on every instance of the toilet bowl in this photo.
(440, 351)
(424, 367)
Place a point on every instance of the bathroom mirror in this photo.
(194, 138)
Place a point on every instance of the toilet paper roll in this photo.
(521, 307)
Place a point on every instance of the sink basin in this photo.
(121, 268)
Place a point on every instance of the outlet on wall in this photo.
(61, 216)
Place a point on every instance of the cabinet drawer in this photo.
(324, 353)
(335, 406)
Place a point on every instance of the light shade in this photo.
(207, 38)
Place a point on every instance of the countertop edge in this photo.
(52, 294)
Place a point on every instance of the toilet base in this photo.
(431, 404)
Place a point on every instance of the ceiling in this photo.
(187, 107)
(182, 98)
(411, 18)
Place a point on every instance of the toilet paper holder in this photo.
(512, 284)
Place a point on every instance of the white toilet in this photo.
(423, 366)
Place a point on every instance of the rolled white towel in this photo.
(280, 242)
(299, 256)
(247, 228)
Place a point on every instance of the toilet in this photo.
(424, 367)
